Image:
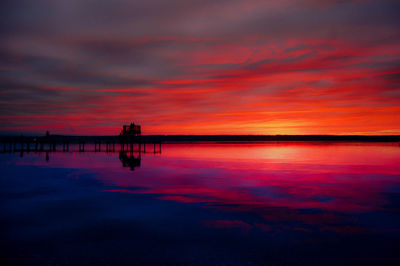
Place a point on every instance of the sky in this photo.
(200, 67)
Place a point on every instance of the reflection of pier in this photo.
(130, 160)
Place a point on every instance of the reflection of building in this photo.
(129, 161)
(131, 130)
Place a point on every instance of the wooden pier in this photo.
(78, 144)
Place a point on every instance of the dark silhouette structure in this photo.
(130, 134)
(131, 130)
(129, 138)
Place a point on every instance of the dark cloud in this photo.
(393, 76)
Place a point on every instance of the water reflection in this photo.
(254, 197)
(129, 160)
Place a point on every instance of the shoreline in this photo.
(212, 138)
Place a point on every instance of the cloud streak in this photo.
(200, 67)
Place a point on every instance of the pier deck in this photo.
(83, 144)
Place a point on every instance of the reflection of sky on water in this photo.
(250, 200)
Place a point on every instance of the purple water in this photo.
(204, 204)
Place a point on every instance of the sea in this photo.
(209, 203)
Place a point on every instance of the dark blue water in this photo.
(204, 204)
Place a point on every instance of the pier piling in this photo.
(49, 144)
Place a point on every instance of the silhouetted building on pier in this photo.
(131, 130)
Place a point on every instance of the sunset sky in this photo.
(200, 66)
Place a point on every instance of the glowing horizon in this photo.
(200, 67)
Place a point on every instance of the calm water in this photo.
(204, 204)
